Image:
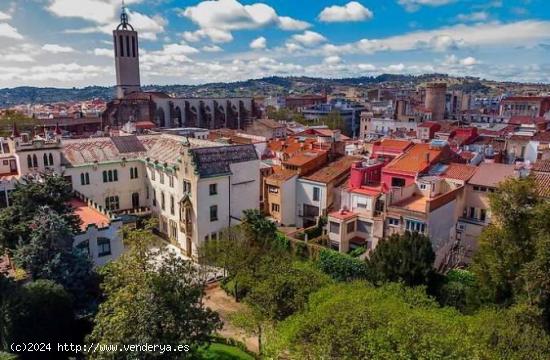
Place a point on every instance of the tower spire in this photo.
(124, 24)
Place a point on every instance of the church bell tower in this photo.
(125, 40)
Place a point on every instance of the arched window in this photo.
(105, 177)
(112, 203)
(115, 175)
(135, 200)
(87, 179)
(162, 203)
(172, 205)
(50, 157)
(29, 161)
(110, 174)
(34, 161)
(82, 179)
(45, 160)
(135, 173)
(121, 43)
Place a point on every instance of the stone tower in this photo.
(126, 46)
(435, 99)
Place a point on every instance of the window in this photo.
(350, 227)
(397, 182)
(213, 189)
(393, 222)
(50, 157)
(162, 202)
(361, 205)
(133, 173)
(482, 215)
(173, 230)
(364, 226)
(472, 213)
(46, 160)
(29, 161)
(171, 181)
(112, 203)
(186, 187)
(84, 246)
(110, 175)
(103, 247)
(273, 189)
(316, 193)
(84, 179)
(115, 175)
(423, 186)
(214, 236)
(105, 177)
(34, 161)
(172, 205)
(334, 227)
(415, 226)
(135, 200)
(214, 213)
(275, 207)
(154, 197)
(161, 177)
(153, 174)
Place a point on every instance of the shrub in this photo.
(342, 267)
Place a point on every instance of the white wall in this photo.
(112, 232)
(304, 195)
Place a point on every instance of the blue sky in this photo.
(66, 43)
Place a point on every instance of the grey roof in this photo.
(214, 161)
(128, 144)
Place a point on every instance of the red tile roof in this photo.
(88, 215)
(343, 214)
(459, 171)
(542, 180)
(542, 166)
(416, 159)
(333, 170)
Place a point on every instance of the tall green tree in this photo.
(404, 258)
(28, 197)
(38, 312)
(509, 242)
(154, 297)
(49, 254)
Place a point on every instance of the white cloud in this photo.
(169, 55)
(217, 18)
(8, 31)
(53, 74)
(179, 49)
(57, 49)
(413, 5)
(211, 48)
(453, 61)
(215, 35)
(290, 24)
(105, 15)
(309, 38)
(352, 11)
(104, 52)
(4, 16)
(469, 61)
(494, 34)
(19, 58)
(332, 60)
(259, 43)
(473, 17)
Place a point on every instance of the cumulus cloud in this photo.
(521, 33)
(453, 60)
(104, 52)
(211, 48)
(57, 49)
(4, 16)
(259, 43)
(332, 60)
(216, 19)
(19, 58)
(352, 11)
(105, 16)
(8, 31)
(52, 74)
(413, 5)
(169, 55)
(309, 38)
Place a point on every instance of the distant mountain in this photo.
(265, 86)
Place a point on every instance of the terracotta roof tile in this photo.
(459, 171)
(416, 159)
(542, 180)
(333, 170)
(542, 166)
(491, 174)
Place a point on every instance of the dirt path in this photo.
(217, 300)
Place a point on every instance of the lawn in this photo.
(218, 351)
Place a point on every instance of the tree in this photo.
(358, 321)
(49, 254)
(509, 242)
(459, 291)
(28, 197)
(283, 287)
(153, 297)
(342, 267)
(404, 258)
(263, 229)
(11, 117)
(335, 121)
(39, 312)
